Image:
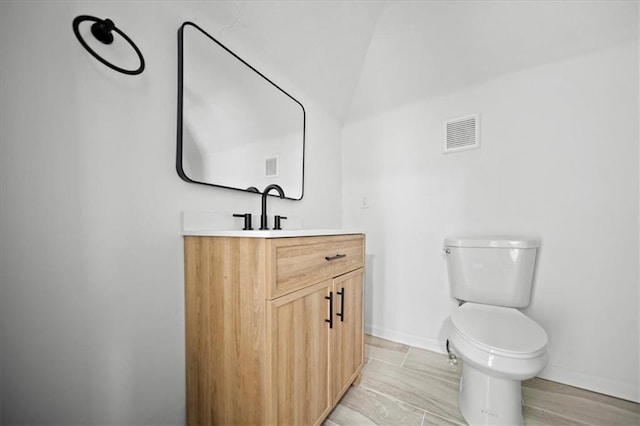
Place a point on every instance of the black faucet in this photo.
(263, 216)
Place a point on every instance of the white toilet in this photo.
(498, 344)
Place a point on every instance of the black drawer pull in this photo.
(337, 256)
(330, 299)
(341, 313)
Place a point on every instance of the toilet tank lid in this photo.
(495, 242)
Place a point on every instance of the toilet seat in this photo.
(499, 330)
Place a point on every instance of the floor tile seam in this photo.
(449, 419)
(424, 412)
(420, 373)
(405, 357)
(395, 347)
(455, 382)
(408, 403)
(442, 379)
(401, 350)
(578, 398)
(384, 341)
(432, 376)
(571, 419)
(564, 389)
(392, 398)
(603, 406)
(385, 362)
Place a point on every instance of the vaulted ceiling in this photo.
(327, 48)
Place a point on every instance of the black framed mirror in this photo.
(236, 128)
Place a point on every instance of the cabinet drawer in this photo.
(299, 262)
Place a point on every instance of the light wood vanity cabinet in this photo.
(259, 345)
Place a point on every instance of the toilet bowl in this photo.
(499, 348)
(499, 345)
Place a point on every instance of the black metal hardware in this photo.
(337, 256)
(263, 216)
(102, 31)
(341, 313)
(247, 220)
(453, 359)
(277, 224)
(330, 299)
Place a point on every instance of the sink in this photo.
(268, 233)
(214, 224)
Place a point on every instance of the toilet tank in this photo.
(491, 271)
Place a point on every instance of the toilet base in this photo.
(489, 400)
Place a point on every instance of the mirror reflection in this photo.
(236, 128)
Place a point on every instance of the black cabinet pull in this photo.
(330, 299)
(337, 256)
(341, 313)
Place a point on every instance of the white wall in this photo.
(559, 161)
(91, 304)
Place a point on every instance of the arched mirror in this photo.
(236, 128)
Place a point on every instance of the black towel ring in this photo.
(101, 29)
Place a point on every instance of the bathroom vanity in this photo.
(274, 324)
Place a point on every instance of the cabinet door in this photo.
(348, 332)
(299, 345)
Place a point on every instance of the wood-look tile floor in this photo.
(403, 385)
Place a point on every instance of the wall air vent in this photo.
(271, 167)
(461, 133)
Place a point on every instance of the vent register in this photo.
(461, 134)
(271, 167)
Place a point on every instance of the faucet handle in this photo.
(277, 219)
(247, 220)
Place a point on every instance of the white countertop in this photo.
(268, 233)
(217, 224)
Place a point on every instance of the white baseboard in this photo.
(589, 382)
(406, 339)
(552, 372)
